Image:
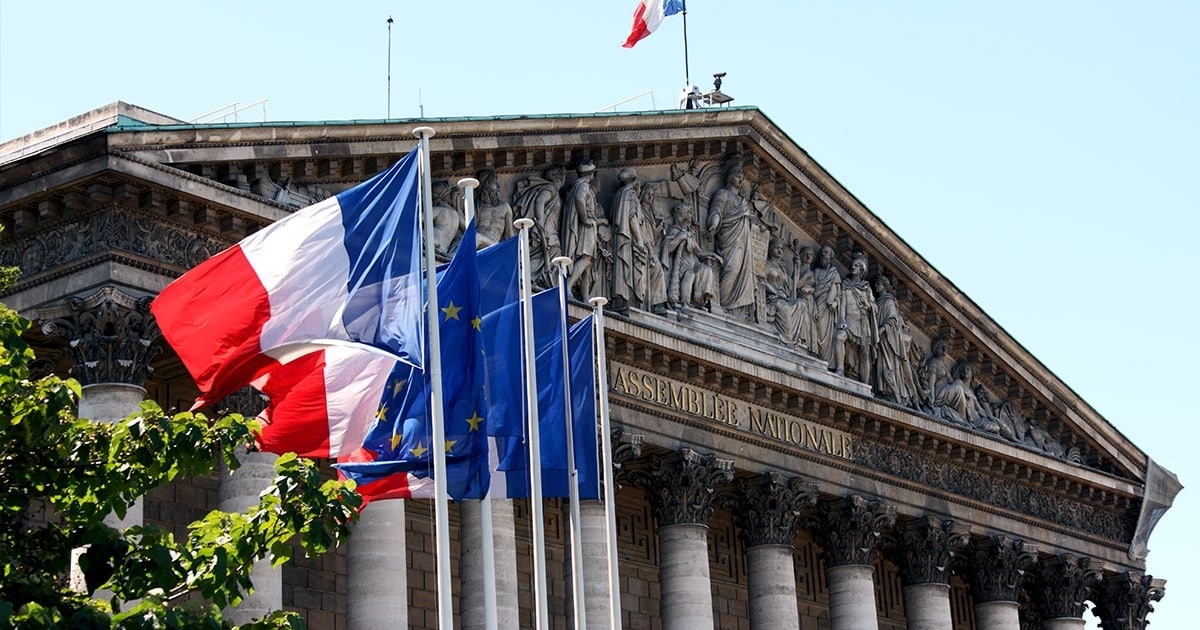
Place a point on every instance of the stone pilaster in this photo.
(998, 564)
(849, 535)
(1066, 586)
(767, 508)
(681, 487)
(1125, 600)
(929, 545)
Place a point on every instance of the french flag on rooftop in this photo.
(345, 269)
(648, 15)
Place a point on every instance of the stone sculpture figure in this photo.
(955, 401)
(448, 222)
(731, 225)
(638, 277)
(691, 271)
(827, 289)
(1013, 425)
(587, 234)
(805, 305)
(782, 307)
(936, 372)
(895, 380)
(857, 334)
(493, 215)
(539, 199)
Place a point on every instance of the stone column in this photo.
(239, 490)
(472, 604)
(1066, 586)
(593, 520)
(928, 547)
(681, 488)
(767, 508)
(1125, 600)
(998, 566)
(851, 528)
(111, 338)
(377, 568)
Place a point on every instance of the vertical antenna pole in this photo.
(389, 68)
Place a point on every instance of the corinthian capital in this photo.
(929, 546)
(768, 506)
(111, 336)
(681, 485)
(1067, 585)
(1126, 599)
(851, 529)
(998, 565)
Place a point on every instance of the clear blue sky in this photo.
(1043, 156)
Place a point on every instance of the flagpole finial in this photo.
(424, 132)
(562, 262)
(524, 223)
(598, 302)
(468, 182)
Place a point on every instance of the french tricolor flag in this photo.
(345, 269)
(648, 15)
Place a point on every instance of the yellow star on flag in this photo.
(451, 311)
(450, 445)
(382, 413)
(398, 385)
(418, 451)
(474, 421)
(475, 323)
(396, 439)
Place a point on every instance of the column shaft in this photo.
(504, 537)
(239, 490)
(927, 607)
(112, 402)
(593, 521)
(852, 597)
(684, 576)
(1065, 623)
(997, 616)
(772, 587)
(377, 568)
(471, 604)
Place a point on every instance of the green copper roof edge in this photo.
(125, 123)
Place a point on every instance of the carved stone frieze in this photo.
(1125, 600)
(928, 546)
(1066, 585)
(625, 448)
(768, 507)
(112, 337)
(114, 230)
(997, 566)
(682, 485)
(851, 528)
(965, 481)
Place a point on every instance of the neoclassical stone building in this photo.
(815, 429)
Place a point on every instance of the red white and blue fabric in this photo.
(347, 268)
(648, 15)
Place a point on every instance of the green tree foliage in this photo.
(80, 471)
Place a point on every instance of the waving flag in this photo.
(347, 268)
(505, 390)
(648, 15)
(400, 441)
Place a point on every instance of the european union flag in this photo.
(401, 438)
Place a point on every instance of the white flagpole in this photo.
(610, 499)
(564, 263)
(487, 546)
(434, 371)
(536, 500)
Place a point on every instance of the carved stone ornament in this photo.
(851, 529)
(928, 547)
(112, 337)
(247, 401)
(1125, 600)
(1067, 585)
(997, 568)
(624, 449)
(769, 505)
(681, 485)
